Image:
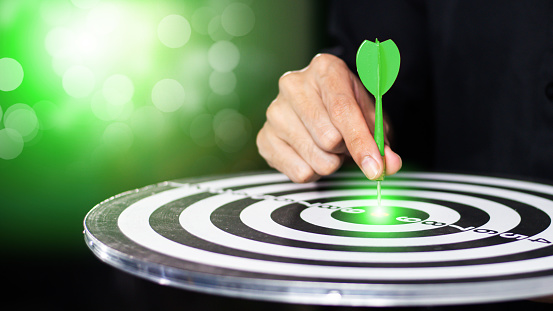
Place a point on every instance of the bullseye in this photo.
(378, 215)
(261, 236)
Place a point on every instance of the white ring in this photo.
(258, 216)
(134, 223)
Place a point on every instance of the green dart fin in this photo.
(378, 65)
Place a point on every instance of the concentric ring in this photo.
(261, 230)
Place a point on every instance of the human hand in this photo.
(322, 114)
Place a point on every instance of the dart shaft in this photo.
(378, 118)
(379, 125)
(378, 193)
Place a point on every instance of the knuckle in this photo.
(341, 107)
(261, 142)
(321, 59)
(329, 166)
(271, 109)
(259, 139)
(325, 60)
(288, 80)
(274, 111)
(329, 138)
(303, 174)
(328, 64)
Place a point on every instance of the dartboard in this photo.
(435, 238)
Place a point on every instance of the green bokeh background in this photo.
(79, 157)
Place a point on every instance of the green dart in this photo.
(378, 66)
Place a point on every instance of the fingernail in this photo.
(370, 167)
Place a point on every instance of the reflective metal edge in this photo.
(321, 293)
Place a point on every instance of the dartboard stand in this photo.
(437, 239)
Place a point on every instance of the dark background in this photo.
(70, 166)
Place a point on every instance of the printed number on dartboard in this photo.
(506, 235)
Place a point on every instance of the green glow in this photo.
(101, 126)
(85, 4)
(379, 212)
(46, 113)
(383, 215)
(105, 18)
(107, 111)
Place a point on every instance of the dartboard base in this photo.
(261, 237)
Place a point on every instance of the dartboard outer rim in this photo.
(312, 292)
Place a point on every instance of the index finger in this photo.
(336, 87)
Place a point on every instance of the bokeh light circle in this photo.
(174, 31)
(8, 12)
(216, 31)
(238, 19)
(232, 130)
(222, 82)
(58, 42)
(201, 18)
(168, 95)
(201, 130)
(78, 81)
(223, 56)
(118, 136)
(106, 111)
(11, 144)
(56, 12)
(61, 64)
(11, 74)
(118, 89)
(22, 118)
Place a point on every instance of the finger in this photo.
(393, 161)
(288, 127)
(345, 113)
(282, 157)
(366, 103)
(314, 116)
